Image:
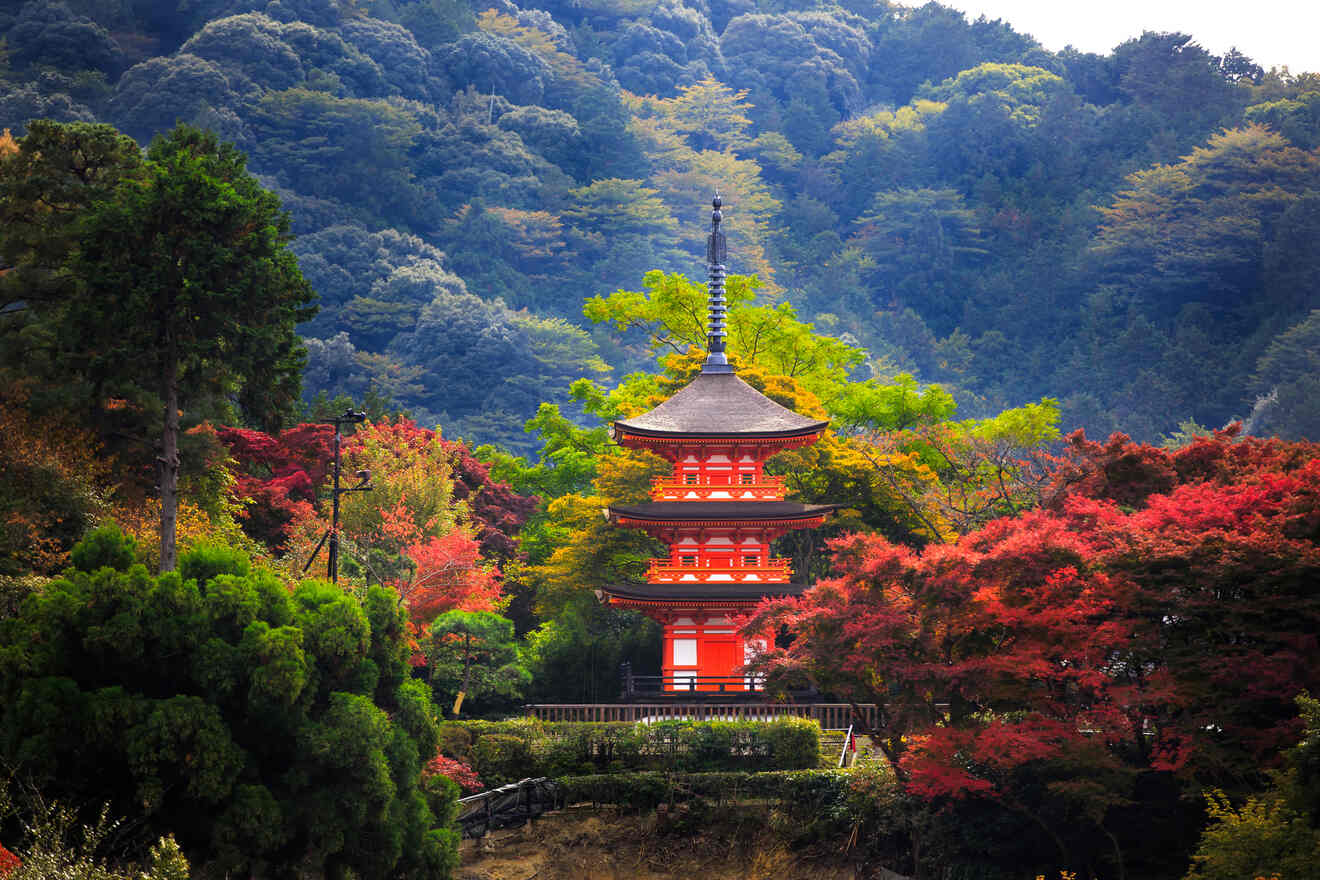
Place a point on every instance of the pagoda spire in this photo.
(716, 254)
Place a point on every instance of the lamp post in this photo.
(349, 417)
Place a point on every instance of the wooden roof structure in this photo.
(718, 405)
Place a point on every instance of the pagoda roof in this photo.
(688, 592)
(722, 511)
(718, 404)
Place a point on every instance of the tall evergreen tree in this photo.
(185, 284)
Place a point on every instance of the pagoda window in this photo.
(687, 561)
(685, 652)
(690, 479)
(751, 561)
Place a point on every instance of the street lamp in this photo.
(349, 417)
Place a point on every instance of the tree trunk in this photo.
(467, 661)
(169, 457)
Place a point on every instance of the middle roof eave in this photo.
(703, 591)
(679, 511)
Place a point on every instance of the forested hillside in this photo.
(1130, 234)
(222, 222)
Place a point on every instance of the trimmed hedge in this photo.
(572, 749)
(863, 807)
(811, 791)
(500, 759)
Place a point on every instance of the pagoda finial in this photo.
(716, 254)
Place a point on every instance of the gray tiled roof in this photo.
(721, 510)
(720, 404)
(679, 592)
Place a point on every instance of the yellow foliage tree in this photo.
(536, 40)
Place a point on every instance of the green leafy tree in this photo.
(474, 653)
(1296, 118)
(48, 182)
(51, 34)
(185, 285)
(925, 245)
(1170, 74)
(1288, 376)
(931, 43)
(689, 166)
(671, 311)
(814, 58)
(1195, 229)
(269, 731)
(258, 50)
(1186, 258)
(150, 97)
(1273, 834)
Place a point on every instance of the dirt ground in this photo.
(582, 843)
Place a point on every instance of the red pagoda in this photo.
(718, 511)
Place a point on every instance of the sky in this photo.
(1274, 33)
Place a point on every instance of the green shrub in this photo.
(559, 749)
(567, 754)
(635, 791)
(442, 794)
(105, 546)
(804, 793)
(500, 759)
(208, 559)
(1262, 838)
(455, 741)
(270, 732)
(794, 743)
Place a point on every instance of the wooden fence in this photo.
(832, 716)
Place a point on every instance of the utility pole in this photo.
(349, 417)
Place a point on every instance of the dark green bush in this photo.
(804, 792)
(794, 743)
(455, 741)
(105, 546)
(442, 794)
(271, 733)
(864, 808)
(500, 759)
(559, 749)
(209, 559)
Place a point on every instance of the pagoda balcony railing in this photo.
(687, 682)
(764, 489)
(666, 571)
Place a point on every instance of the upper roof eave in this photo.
(624, 428)
(719, 405)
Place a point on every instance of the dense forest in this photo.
(225, 223)
(1128, 234)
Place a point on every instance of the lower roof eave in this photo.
(654, 595)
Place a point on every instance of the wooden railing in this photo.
(510, 805)
(679, 682)
(764, 489)
(666, 571)
(831, 716)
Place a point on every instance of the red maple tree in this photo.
(496, 511)
(278, 477)
(1158, 615)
